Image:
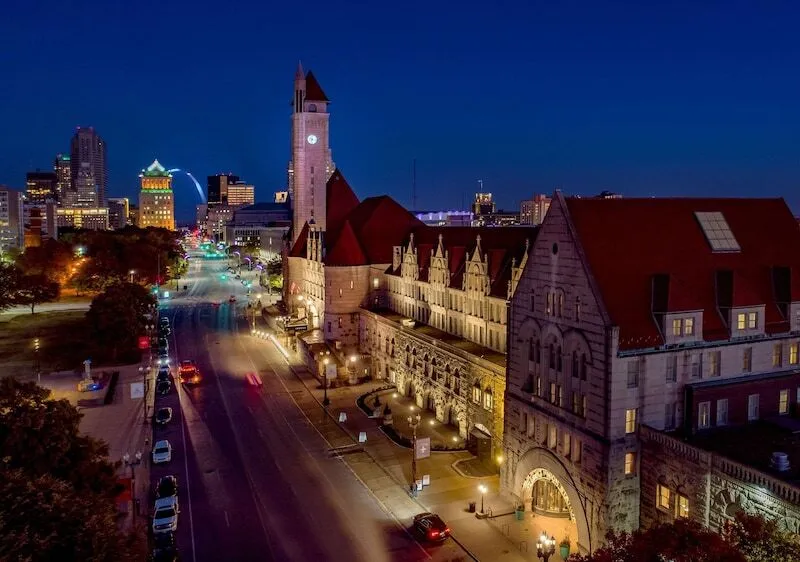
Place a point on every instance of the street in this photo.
(256, 481)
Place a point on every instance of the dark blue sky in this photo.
(685, 98)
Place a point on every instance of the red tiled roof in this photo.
(299, 248)
(629, 241)
(340, 200)
(345, 249)
(313, 89)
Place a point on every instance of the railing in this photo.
(685, 450)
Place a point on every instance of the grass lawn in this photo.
(64, 342)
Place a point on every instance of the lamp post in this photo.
(36, 365)
(143, 371)
(325, 401)
(130, 274)
(133, 463)
(545, 547)
(482, 489)
(413, 422)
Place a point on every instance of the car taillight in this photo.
(446, 530)
(433, 533)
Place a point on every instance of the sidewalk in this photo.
(385, 468)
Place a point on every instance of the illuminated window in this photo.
(630, 420)
(476, 394)
(741, 321)
(783, 402)
(488, 399)
(630, 463)
(777, 355)
(549, 308)
(552, 393)
(663, 497)
(676, 327)
(688, 327)
(752, 320)
(682, 507)
(793, 354)
(567, 446)
(703, 415)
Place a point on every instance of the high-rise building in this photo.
(217, 188)
(156, 201)
(311, 164)
(532, 211)
(12, 228)
(41, 187)
(483, 205)
(118, 213)
(46, 213)
(88, 218)
(88, 162)
(63, 170)
(85, 187)
(133, 214)
(240, 194)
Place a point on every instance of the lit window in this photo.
(549, 308)
(752, 320)
(688, 326)
(783, 402)
(741, 320)
(630, 463)
(793, 354)
(722, 411)
(704, 415)
(630, 420)
(662, 497)
(476, 394)
(777, 355)
(487, 399)
(676, 327)
(682, 507)
(567, 446)
(552, 393)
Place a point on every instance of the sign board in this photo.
(330, 371)
(423, 448)
(342, 417)
(362, 436)
(144, 342)
(137, 390)
(426, 479)
(419, 485)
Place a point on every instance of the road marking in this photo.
(185, 449)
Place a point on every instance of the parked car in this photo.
(163, 387)
(164, 416)
(164, 548)
(163, 342)
(167, 486)
(165, 330)
(430, 527)
(163, 321)
(163, 357)
(162, 452)
(164, 373)
(165, 516)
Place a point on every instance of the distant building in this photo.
(201, 214)
(217, 188)
(118, 213)
(262, 224)
(240, 194)
(281, 196)
(11, 219)
(156, 200)
(445, 218)
(483, 205)
(63, 170)
(215, 219)
(33, 228)
(44, 215)
(88, 218)
(41, 187)
(89, 169)
(133, 214)
(533, 211)
(609, 195)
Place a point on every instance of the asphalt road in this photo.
(255, 478)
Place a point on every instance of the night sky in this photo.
(685, 98)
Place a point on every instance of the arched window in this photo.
(551, 356)
(476, 393)
(408, 356)
(560, 304)
(434, 374)
(578, 309)
(584, 364)
(532, 350)
(488, 399)
(575, 364)
(391, 349)
(559, 365)
(549, 308)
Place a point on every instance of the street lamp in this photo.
(413, 422)
(143, 371)
(37, 366)
(133, 463)
(325, 401)
(545, 547)
(130, 273)
(482, 489)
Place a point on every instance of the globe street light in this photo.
(413, 422)
(133, 463)
(482, 489)
(130, 273)
(545, 547)
(325, 401)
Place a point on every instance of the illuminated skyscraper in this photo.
(41, 187)
(156, 201)
(88, 163)
(62, 168)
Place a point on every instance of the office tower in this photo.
(63, 170)
(89, 171)
(41, 187)
(156, 202)
(12, 228)
(533, 211)
(240, 194)
(118, 213)
(217, 188)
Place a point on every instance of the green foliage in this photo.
(760, 539)
(276, 282)
(117, 317)
(9, 276)
(57, 488)
(275, 266)
(53, 259)
(35, 289)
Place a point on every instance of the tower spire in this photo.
(299, 75)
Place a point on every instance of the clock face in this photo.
(312, 139)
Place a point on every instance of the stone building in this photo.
(634, 317)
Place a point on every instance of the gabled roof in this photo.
(313, 89)
(156, 170)
(340, 200)
(628, 242)
(300, 245)
(345, 250)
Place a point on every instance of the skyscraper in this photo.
(12, 229)
(118, 213)
(241, 193)
(88, 163)
(63, 171)
(156, 202)
(217, 188)
(311, 164)
(41, 187)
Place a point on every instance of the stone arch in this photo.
(576, 340)
(544, 461)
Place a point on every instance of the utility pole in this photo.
(413, 422)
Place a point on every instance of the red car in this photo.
(431, 527)
(188, 372)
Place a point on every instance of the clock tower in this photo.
(311, 163)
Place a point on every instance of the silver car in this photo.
(165, 517)
(162, 452)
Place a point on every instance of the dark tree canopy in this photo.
(117, 316)
(35, 289)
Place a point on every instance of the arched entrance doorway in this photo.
(544, 485)
(313, 316)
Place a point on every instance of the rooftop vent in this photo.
(779, 462)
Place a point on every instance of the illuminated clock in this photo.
(312, 139)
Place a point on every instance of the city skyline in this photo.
(603, 98)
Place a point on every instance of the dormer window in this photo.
(676, 327)
(688, 326)
(683, 327)
(752, 320)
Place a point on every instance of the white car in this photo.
(165, 516)
(162, 452)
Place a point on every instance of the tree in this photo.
(53, 258)
(681, 541)
(9, 277)
(35, 289)
(117, 317)
(760, 539)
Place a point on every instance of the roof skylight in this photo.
(717, 232)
